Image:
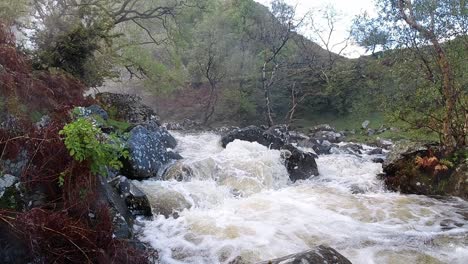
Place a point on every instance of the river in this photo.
(242, 204)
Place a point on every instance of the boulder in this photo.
(126, 107)
(274, 137)
(250, 133)
(318, 255)
(378, 160)
(148, 147)
(122, 218)
(300, 165)
(416, 168)
(376, 151)
(351, 148)
(137, 202)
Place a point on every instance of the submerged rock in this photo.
(300, 165)
(167, 202)
(318, 255)
(178, 171)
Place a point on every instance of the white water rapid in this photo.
(243, 205)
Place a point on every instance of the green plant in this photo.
(86, 142)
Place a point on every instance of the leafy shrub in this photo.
(86, 142)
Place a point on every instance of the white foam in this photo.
(275, 218)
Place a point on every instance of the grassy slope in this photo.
(353, 122)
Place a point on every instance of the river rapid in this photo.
(242, 204)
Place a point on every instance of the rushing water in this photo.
(243, 205)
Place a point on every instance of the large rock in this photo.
(250, 133)
(300, 165)
(274, 137)
(326, 132)
(126, 107)
(318, 255)
(10, 195)
(148, 147)
(416, 168)
(137, 202)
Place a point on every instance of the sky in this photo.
(347, 10)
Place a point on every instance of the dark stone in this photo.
(136, 200)
(351, 148)
(376, 151)
(321, 147)
(148, 148)
(122, 219)
(276, 136)
(318, 255)
(250, 133)
(300, 165)
(405, 174)
(378, 160)
(127, 107)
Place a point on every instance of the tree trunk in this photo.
(450, 97)
(266, 93)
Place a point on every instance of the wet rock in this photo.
(136, 200)
(178, 171)
(378, 160)
(365, 124)
(250, 133)
(127, 107)
(122, 219)
(295, 137)
(167, 202)
(320, 254)
(276, 136)
(415, 168)
(320, 147)
(351, 148)
(300, 165)
(376, 151)
(148, 147)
